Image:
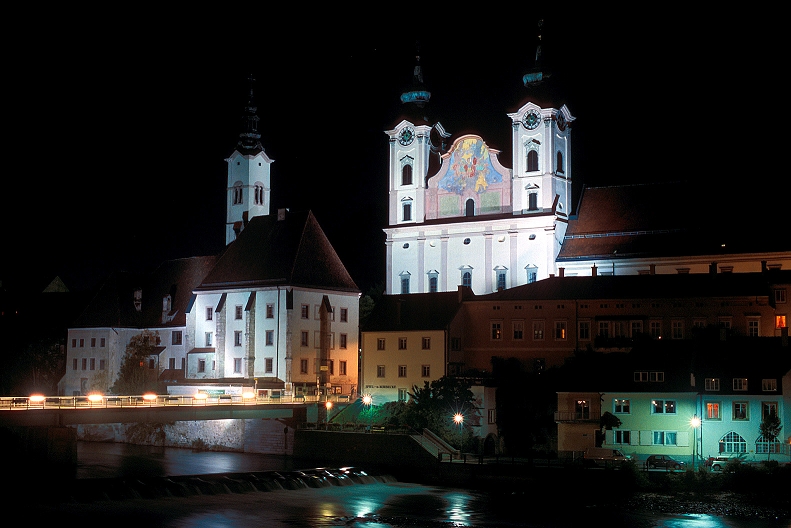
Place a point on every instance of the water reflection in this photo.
(366, 504)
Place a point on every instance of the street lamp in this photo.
(328, 405)
(368, 402)
(695, 423)
(459, 419)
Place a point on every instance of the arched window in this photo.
(470, 207)
(407, 211)
(559, 163)
(732, 443)
(432, 284)
(259, 194)
(466, 279)
(532, 274)
(532, 160)
(764, 447)
(405, 282)
(237, 193)
(406, 174)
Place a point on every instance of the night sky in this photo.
(119, 131)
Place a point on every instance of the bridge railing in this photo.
(93, 401)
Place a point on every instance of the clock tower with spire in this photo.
(249, 185)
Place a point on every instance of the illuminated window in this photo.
(497, 330)
(560, 330)
(713, 411)
(582, 410)
(538, 330)
(621, 406)
(663, 407)
(712, 384)
(780, 321)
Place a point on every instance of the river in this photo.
(379, 502)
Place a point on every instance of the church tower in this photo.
(249, 185)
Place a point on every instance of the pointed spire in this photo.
(249, 137)
(417, 94)
(536, 75)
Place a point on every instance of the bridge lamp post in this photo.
(368, 402)
(328, 405)
(459, 419)
(695, 423)
(150, 398)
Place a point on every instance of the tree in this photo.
(434, 405)
(770, 428)
(134, 376)
(45, 358)
(607, 422)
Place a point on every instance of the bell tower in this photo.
(249, 186)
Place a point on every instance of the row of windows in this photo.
(269, 339)
(614, 329)
(102, 342)
(270, 312)
(466, 278)
(238, 195)
(425, 371)
(237, 365)
(729, 443)
(740, 384)
(425, 343)
(304, 363)
(88, 364)
(740, 409)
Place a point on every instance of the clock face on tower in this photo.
(407, 135)
(531, 119)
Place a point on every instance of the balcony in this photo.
(575, 416)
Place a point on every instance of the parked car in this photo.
(604, 456)
(663, 461)
(719, 463)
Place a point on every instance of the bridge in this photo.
(59, 411)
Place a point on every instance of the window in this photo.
(497, 330)
(655, 329)
(380, 343)
(532, 274)
(82, 343)
(201, 365)
(582, 410)
(455, 344)
(656, 376)
(432, 284)
(769, 385)
(519, 330)
(404, 284)
(208, 339)
(560, 330)
(237, 365)
(764, 447)
(622, 437)
(303, 338)
(403, 394)
(172, 363)
(752, 327)
(621, 406)
(344, 315)
(780, 321)
(103, 343)
(532, 160)
(259, 194)
(501, 280)
(209, 313)
(425, 371)
(780, 295)
(237, 193)
(303, 366)
(741, 411)
(712, 384)
(342, 368)
(175, 337)
(663, 407)
(466, 279)
(406, 174)
(402, 371)
(74, 364)
(665, 437)
(406, 211)
(305, 311)
(270, 311)
(559, 162)
(93, 342)
(584, 332)
(604, 329)
(93, 364)
(426, 343)
(641, 376)
(237, 338)
(767, 408)
(713, 411)
(342, 342)
(538, 330)
(270, 337)
(102, 364)
(732, 443)
(677, 329)
(238, 312)
(491, 416)
(740, 384)
(380, 371)
(268, 365)
(469, 210)
(402, 343)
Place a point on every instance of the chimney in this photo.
(652, 269)
(594, 270)
(561, 272)
(281, 214)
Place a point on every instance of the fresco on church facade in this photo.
(470, 168)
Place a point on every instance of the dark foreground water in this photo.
(377, 502)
